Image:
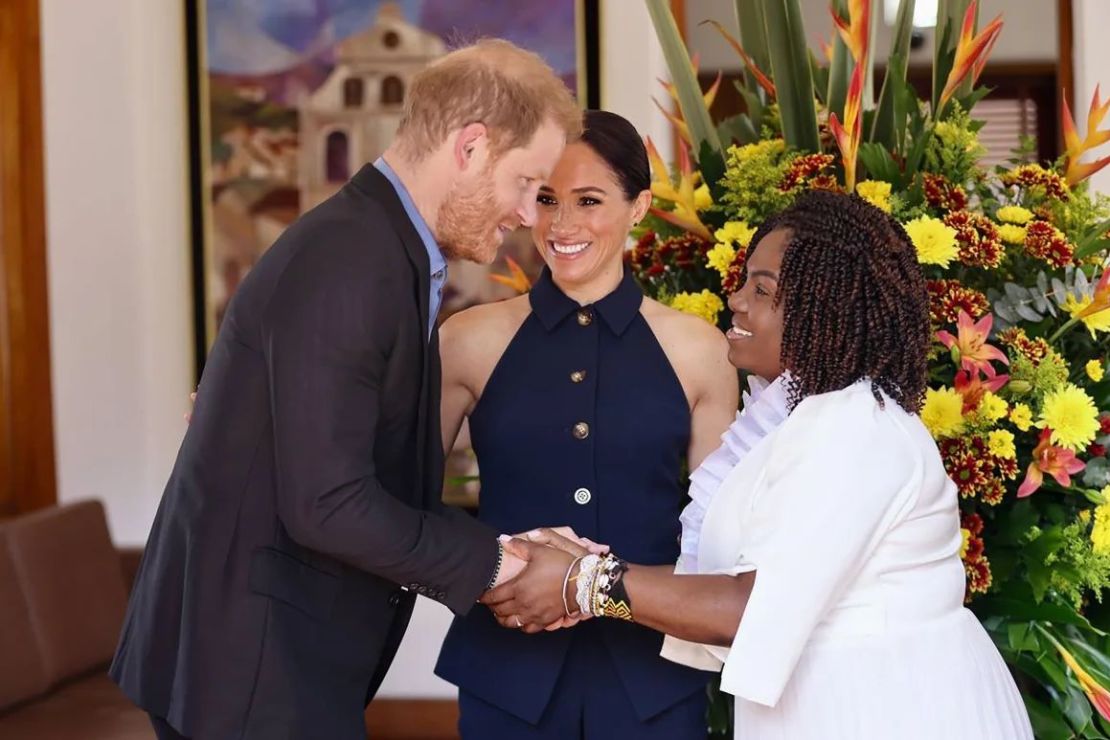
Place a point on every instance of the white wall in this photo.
(1092, 66)
(117, 250)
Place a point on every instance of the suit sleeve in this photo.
(327, 334)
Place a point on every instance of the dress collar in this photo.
(551, 305)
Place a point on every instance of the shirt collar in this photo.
(551, 305)
(436, 260)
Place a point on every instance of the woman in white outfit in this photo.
(820, 569)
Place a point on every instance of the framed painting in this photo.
(288, 98)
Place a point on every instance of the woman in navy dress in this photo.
(585, 400)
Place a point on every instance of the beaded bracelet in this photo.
(608, 597)
(587, 574)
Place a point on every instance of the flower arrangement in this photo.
(1018, 266)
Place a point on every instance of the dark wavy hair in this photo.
(853, 297)
(618, 142)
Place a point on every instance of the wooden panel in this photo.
(413, 719)
(27, 478)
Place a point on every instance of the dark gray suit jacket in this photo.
(303, 513)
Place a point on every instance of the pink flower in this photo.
(1058, 462)
(971, 348)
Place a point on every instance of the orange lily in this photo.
(972, 51)
(972, 388)
(516, 279)
(971, 348)
(763, 80)
(849, 134)
(1098, 694)
(1059, 462)
(676, 118)
(685, 213)
(1101, 300)
(856, 29)
(1076, 148)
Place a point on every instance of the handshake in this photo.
(535, 588)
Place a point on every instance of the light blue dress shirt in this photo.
(435, 257)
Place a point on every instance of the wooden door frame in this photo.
(27, 474)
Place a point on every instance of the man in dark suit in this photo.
(302, 516)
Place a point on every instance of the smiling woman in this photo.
(568, 391)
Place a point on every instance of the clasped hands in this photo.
(530, 595)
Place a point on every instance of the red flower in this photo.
(942, 195)
(804, 168)
(980, 245)
(1058, 462)
(1044, 241)
(1104, 424)
(1096, 450)
(1034, 350)
(1035, 176)
(948, 297)
(972, 388)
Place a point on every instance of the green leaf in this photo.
(754, 104)
(753, 36)
(1024, 609)
(944, 52)
(786, 38)
(1047, 722)
(712, 167)
(879, 162)
(689, 93)
(1092, 247)
(736, 128)
(1022, 636)
(820, 78)
(840, 67)
(886, 121)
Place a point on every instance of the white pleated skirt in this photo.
(943, 680)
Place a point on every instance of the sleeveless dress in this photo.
(583, 422)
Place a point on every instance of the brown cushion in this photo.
(90, 709)
(70, 576)
(22, 674)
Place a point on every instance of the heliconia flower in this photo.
(1100, 301)
(849, 134)
(1075, 147)
(855, 30)
(676, 118)
(1058, 462)
(971, 344)
(1098, 694)
(972, 51)
(760, 77)
(682, 193)
(516, 279)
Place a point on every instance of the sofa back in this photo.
(62, 593)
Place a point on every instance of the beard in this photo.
(467, 223)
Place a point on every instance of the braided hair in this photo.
(853, 297)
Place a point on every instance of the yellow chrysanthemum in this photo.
(942, 413)
(706, 304)
(1071, 415)
(1012, 234)
(934, 241)
(1095, 371)
(720, 257)
(1001, 444)
(992, 408)
(703, 201)
(1100, 532)
(965, 540)
(736, 233)
(1014, 215)
(1022, 417)
(1096, 322)
(875, 192)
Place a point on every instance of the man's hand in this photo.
(534, 600)
(511, 564)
